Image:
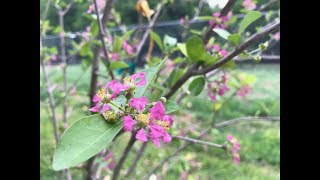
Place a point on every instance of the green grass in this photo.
(260, 141)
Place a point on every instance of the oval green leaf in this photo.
(248, 19)
(118, 65)
(195, 48)
(235, 39)
(157, 39)
(83, 139)
(222, 33)
(196, 86)
(171, 106)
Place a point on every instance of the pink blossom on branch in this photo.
(244, 90)
(138, 103)
(127, 47)
(235, 148)
(249, 5)
(128, 123)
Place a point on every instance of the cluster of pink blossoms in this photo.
(216, 48)
(235, 148)
(244, 90)
(153, 123)
(219, 22)
(220, 88)
(249, 5)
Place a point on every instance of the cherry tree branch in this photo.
(246, 119)
(194, 71)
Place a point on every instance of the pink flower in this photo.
(54, 57)
(223, 26)
(222, 90)
(216, 47)
(223, 53)
(249, 5)
(168, 119)
(216, 14)
(211, 22)
(156, 133)
(236, 147)
(128, 123)
(115, 56)
(276, 36)
(182, 20)
(244, 90)
(230, 138)
(138, 103)
(225, 18)
(157, 111)
(116, 87)
(141, 135)
(127, 47)
(140, 76)
(95, 108)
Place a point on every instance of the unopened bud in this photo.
(111, 116)
(163, 99)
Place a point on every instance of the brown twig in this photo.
(246, 119)
(125, 153)
(137, 158)
(197, 141)
(101, 36)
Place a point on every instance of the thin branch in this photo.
(196, 15)
(146, 33)
(193, 71)
(101, 35)
(199, 141)
(253, 39)
(66, 10)
(125, 153)
(137, 158)
(246, 119)
(51, 98)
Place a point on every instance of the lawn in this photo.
(260, 141)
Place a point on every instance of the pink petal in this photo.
(230, 137)
(128, 123)
(166, 137)
(169, 119)
(105, 108)
(141, 135)
(138, 103)
(216, 47)
(236, 159)
(95, 108)
(157, 111)
(156, 141)
(95, 99)
(223, 53)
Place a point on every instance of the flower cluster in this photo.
(148, 123)
(249, 5)
(244, 90)
(220, 88)
(219, 22)
(126, 46)
(235, 148)
(216, 49)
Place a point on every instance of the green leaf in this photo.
(178, 60)
(248, 19)
(127, 35)
(94, 30)
(118, 65)
(222, 33)
(157, 39)
(85, 49)
(117, 44)
(195, 48)
(183, 49)
(171, 106)
(205, 18)
(209, 60)
(83, 139)
(196, 86)
(235, 39)
(151, 74)
(196, 32)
